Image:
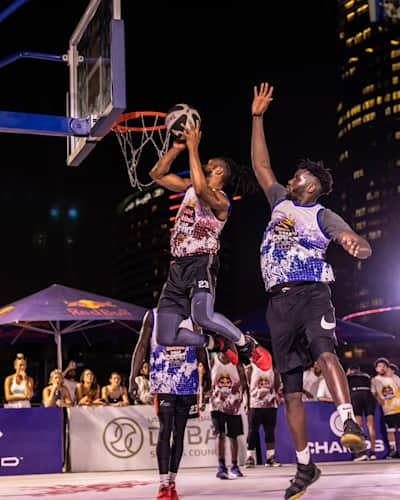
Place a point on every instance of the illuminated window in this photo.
(395, 80)
(344, 156)
(361, 225)
(367, 33)
(353, 59)
(368, 89)
(379, 99)
(369, 117)
(54, 213)
(395, 53)
(154, 208)
(349, 41)
(370, 103)
(374, 235)
(372, 195)
(394, 42)
(362, 9)
(374, 208)
(72, 213)
(356, 122)
(387, 97)
(396, 95)
(348, 5)
(355, 110)
(388, 111)
(370, 50)
(339, 106)
(396, 108)
(358, 173)
(358, 38)
(396, 66)
(350, 16)
(359, 212)
(397, 135)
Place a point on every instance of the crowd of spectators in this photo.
(64, 389)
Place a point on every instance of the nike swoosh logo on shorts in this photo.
(326, 325)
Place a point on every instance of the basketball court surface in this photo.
(340, 480)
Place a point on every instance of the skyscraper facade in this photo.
(368, 172)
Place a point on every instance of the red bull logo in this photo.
(84, 307)
(90, 304)
(6, 309)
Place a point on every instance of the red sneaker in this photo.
(172, 491)
(227, 347)
(163, 492)
(256, 354)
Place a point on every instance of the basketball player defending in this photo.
(300, 313)
(190, 286)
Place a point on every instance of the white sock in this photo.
(271, 454)
(251, 453)
(210, 343)
(303, 457)
(172, 477)
(241, 341)
(164, 479)
(346, 411)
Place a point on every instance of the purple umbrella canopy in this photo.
(59, 310)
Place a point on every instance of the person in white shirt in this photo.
(311, 379)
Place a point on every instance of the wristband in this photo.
(256, 114)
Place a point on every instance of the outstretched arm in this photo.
(140, 352)
(354, 244)
(215, 199)
(160, 172)
(259, 152)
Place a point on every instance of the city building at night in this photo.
(368, 168)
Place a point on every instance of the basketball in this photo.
(179, 116)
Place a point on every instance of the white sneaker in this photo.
(361, 458)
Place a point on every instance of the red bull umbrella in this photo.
(59, 310)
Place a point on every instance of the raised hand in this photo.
(262, 98)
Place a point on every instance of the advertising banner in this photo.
(114, 439)
(324, 428)
(30, 441)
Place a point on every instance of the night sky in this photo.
(208, 57)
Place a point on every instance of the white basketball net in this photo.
(132, 149)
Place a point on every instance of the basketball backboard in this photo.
(97, 86)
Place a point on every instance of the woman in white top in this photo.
(18, 387)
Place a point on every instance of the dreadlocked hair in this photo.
(239, 179)
(318, 170)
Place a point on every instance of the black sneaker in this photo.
(252, 351)
(305, 476)
(353, 437)
(222, 344)
(250, 462)
(272, 462)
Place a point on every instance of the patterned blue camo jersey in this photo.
(295, 241)
(173, 370)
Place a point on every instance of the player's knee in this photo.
(323, 350)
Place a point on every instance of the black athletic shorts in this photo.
(187, 275)
(363, 403)
(392, 422)
(175, 403)
(302, 325)
(222, 423)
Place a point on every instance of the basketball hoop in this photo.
(149, 130)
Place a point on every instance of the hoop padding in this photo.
(133, 139)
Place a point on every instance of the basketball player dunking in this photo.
(190, 286)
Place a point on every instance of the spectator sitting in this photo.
(115, 394)
(56, 394)
(88, 390)
(18, 387)
(70, 381)
(144, 396)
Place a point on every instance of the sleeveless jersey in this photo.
(262, 388)
(226, 388)
(173, 370)
(388, 390)
(197, 229)
(293, 247)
